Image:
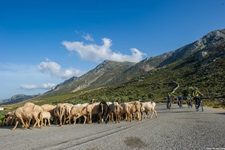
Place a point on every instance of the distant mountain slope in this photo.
(97, 77)
(17, 98)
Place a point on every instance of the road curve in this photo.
(173, 129)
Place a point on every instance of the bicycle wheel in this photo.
(168, 105)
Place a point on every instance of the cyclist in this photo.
(179, 98)
(169, 100)
(189, 100)
(196, 96)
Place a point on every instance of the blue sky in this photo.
(45, 42)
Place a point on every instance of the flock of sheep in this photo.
(66, 113)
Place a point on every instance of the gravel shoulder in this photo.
(173, 129)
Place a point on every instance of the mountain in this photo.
(16, 98)
(97, 77)
(199, 64)
(196, 50)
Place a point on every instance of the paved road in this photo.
(173, 129)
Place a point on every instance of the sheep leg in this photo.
(40, 123)
(126, 116)
(90, 117)
(116, 121)
(111, 117)
(60, 120)
(155, 113)
(69, 118)
(119, 118)
(44, 120)
(21, 119)
(15, 125)
(64, 119)
(49, 124)
(12, 121)
(35, 123)
(85, 119)
(74, 120)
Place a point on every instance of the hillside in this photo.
(97, 77)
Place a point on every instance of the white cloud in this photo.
(17, 78)
(45, 86)
(98, 53)
(56, 71)
(88, 37)
(28, 86)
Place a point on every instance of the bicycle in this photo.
(180, 104)
(189, 103)
(199, 104)
(169, 104)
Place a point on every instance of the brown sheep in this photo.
(78, 111)
(8, 117)
(126, 110)
(59, 112)
(28, 112)
(117, 110)
(68, 108)
(92, 109)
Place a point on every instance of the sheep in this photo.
(68, 108)
(73, 111)
(8, 117)
(49, 108)
(149, 106)
(103, 111)
(92, 109)
(126, 110)
(28, 112)
(111, 108)
(79, 110)
(46, 116)
(59, 112)
(117, 110)
(135, 109)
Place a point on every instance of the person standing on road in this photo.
(196, 96)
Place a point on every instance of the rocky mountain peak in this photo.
(210, 39)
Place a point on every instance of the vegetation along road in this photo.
(173, 129)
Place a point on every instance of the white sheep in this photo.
(46, 116)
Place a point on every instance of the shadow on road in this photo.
(221, 113)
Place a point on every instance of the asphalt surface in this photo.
(173, 129)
